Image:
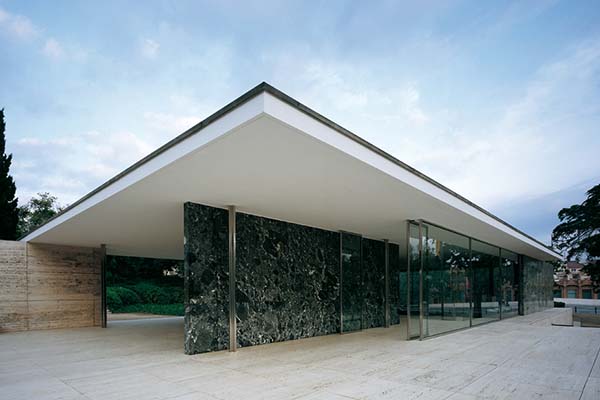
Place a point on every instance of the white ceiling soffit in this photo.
(269, 155)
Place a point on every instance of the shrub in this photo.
(118, 297)
(113, 300)
(152, 294)
(128, 296)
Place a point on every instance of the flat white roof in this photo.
(269, 155)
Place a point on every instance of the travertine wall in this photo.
(46, 287)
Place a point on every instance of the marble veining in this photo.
(373, 263)
(394, 276)
(287, 281)
(206, 278)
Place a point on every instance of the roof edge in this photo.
(310, 112)
(260, 88)
(265, 87)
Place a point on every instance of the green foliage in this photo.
(122, 270)
(159, 309)
(152, 294)
(37, 212)
(118, 297)
(593, 270)
(578, 234)
(9, 214)
(127, 296)
(113, 300)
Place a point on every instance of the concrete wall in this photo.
(46, 287)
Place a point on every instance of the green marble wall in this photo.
(373, 253)
(287, 281)
(394, 275)
(206, 282)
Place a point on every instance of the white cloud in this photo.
(71, 165)
(53, 49)
(170, 122)
(17, 25)
(541, 142)
(150, 48)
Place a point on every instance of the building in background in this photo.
(573, 283)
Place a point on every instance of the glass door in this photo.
(352, 286)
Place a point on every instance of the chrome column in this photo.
(421, 332)
(103, 315)
(387, 283)
(232, 261)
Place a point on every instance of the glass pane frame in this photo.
(504, 288)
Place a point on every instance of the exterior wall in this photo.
(579, 285)
(287, 280)
(394, 277)
(373, 258)
(45, 287)
(206, 283)
(538, 281)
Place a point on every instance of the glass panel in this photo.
(352, 293)
(485, 271)
(445, 265)
(537, 285)
(572, 293)
(413, 280)
(557, 294)
(586, 293)
(510, 284)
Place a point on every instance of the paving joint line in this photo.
(590, 373)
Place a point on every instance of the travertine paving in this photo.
(520, 358)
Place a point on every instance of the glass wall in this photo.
(352, 290)
(452, 281)
(485, 274)
(445, 270)
(510, 283)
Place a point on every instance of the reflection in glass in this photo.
(537, 285)
(485, 273)
(510, 283)
(445, 265)
(352, 290)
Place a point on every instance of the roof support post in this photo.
(387, 283)
(232, 262)
(103, 316)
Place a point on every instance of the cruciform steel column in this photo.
(387, 283)
(103, 316)
(232, 261)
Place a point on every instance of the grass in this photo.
(158, 309)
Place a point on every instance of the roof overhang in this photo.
(269, 155)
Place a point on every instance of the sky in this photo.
(499, 101)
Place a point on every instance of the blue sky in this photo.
(500, 101)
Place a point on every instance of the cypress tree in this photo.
(9, 212)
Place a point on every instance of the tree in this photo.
(577, 237)
(37, 211)
(9, 214)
